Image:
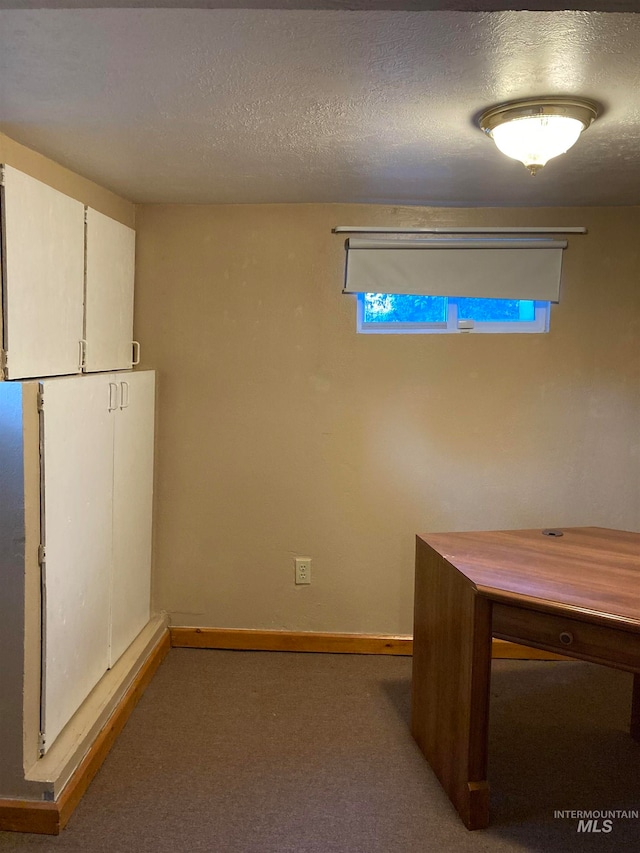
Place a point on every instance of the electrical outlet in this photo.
(303, 570)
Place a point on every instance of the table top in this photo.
(591, 573)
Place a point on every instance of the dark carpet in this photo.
(262, 752)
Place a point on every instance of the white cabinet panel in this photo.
(77, 435)
(97, 489)
(132, 505)
(43, 277)
(109, 293)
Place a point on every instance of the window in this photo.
(454, 285)
(380, 313)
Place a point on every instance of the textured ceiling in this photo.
(297, 105)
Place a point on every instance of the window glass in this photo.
(496, 310)
(394, 308)
(406, 314)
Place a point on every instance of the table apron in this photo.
(567, 636)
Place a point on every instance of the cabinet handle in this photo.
(124, 395)
(82, 354)
(566, 638)
(136, 353)
(113, 396)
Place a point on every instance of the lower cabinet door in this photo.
(77, 434)
(132, 509)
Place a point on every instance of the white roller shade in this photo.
(490, 269)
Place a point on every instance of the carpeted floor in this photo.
(254, 752)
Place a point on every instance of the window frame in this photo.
(539, 325)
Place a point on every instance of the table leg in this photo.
(451, 679)
(634, 728)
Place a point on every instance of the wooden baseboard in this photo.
(245, 639)
(26, 816)
(49, 818)
(503, 649)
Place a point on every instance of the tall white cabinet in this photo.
(96, 436)
(67, 275)
(76, 438)
(132, 509)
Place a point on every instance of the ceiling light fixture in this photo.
(536, 129)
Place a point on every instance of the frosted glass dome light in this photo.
(535, 130)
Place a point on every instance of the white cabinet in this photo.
(96, 498)
(42, 277)
(66, 307)
(76, 472)
(109, 293)
(132, 509)
(67, 284)
(76, 501)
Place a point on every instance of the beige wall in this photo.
(66, 181)
(281, 432)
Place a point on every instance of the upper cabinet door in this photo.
(42, 277)
(109, 293)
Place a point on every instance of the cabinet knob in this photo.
(566, 638)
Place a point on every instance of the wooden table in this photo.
(577, 594)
